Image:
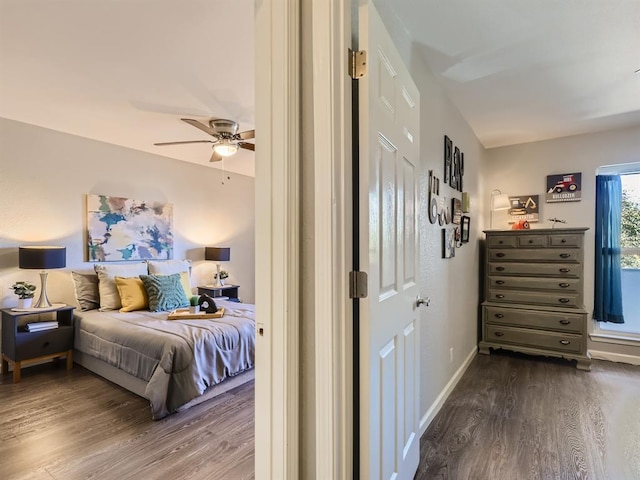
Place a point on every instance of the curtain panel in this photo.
(608, 275)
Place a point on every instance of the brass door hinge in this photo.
(357, 64)
(358, 285)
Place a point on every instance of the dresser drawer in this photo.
(539, 255)
(503, 241)
(536, 283)
(570, 300)
(565, 241)
(565, 270)
(36, 344)
(564, 342)
(532, 241)
(565, 322)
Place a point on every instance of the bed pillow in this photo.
(169, 267)
(86, 290)
(109, 297)
(165, 292)
(133, 295)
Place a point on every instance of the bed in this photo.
(174, 364)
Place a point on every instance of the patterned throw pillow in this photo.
(165, 292)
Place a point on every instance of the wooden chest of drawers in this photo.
(533, 293)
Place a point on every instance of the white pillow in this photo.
(109, 296)
(169, 267)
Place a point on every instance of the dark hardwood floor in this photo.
(513, 417)
(74, 425)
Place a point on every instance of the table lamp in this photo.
(499, 201)
(42, 257)
(217, 254)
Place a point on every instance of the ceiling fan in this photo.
(227, 139)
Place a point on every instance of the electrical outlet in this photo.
(451, 355)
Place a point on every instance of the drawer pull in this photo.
(499, 296)
(564, 240)
(498, 334)
(499, 282)
(564, 285)
(46, 344)
(500, 269)
(500, 242)
(530, 241)
(499, 315)
(565, 270)
(564, 300)
(565, 255)
(565, 342)
(500, 255)
(565, 322)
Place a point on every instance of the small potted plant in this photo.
(25, 292)
(194, 307)
(223, 274)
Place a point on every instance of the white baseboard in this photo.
(615, 357)
(435, 407)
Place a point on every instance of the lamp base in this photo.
(216, 279)
(43, 301)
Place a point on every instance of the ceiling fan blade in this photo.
(215, 157)
(248, 135)
(201, 126)
(247, 145)
(180, 143)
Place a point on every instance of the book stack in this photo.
(39, 326)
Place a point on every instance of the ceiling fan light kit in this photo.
(227, 139)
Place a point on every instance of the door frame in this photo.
(279, 132)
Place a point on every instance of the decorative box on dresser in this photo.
(533, 288)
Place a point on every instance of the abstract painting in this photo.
(121, 229)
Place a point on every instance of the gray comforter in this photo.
(178, 358)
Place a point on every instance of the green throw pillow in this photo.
(165, 292)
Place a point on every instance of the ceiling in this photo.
(125, 72)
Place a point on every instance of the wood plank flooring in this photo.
(59, 425)
(513, 417)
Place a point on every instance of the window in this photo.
(630, 249)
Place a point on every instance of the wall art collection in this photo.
(443, 212)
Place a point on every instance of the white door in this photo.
(389, 116)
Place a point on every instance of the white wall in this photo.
(452, 319)
(46, 175)
(522, 170)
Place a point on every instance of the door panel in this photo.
(388, 116)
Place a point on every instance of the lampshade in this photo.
(500, 201)
(42, 257)
(225, 148)
(217, 254)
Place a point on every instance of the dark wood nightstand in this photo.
(229, 291)
(20, 346)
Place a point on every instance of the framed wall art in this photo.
(564, 188)
(121, 229)
(465, 225)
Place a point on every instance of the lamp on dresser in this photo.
(42, 258)
(499, 201)
(217, 254)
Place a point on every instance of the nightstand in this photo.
(20, 347)
(227, 292)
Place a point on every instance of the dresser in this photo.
(534, 293)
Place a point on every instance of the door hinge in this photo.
(357, 64)
(358, 285)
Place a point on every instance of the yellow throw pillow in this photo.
(186, 284)
(133, 295)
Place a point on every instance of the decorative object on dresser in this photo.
(217, 254)
(533, 293)
(43, 341)
(42, 258)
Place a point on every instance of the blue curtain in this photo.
(608, 276)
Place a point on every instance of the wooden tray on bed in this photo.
(183, 314)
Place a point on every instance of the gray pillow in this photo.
(86, 290)
(165, 292)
